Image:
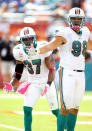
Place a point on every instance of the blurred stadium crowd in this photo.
(42, 15)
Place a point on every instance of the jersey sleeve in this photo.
(18, 53)
(60, 31)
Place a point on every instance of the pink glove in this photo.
(8, 87)
(45, 90)
(23, 87)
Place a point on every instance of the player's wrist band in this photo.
(17, 76)
(52, 69)
(18, 73)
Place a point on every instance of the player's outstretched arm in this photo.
(56, 42)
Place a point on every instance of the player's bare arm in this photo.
(89, 45)
(56, 42)
(50, 63)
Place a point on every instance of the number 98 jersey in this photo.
(35, 64)
(73, 52)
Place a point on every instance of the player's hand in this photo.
(45, 90)
(23, 87)
(8, 87)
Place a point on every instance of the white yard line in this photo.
(19, 129)
(34, 113)
(22, 96)
(11, 127)
(49, 113)
(85, 114)
(11, 96)
(84, 122)
(87, 98)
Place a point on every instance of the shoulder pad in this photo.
(18, 52)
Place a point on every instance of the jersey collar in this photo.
(80, 33)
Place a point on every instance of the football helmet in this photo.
(28, 39)
(76, 18)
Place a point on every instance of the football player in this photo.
(39, 77)
(72, 43)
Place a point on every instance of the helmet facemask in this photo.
(76, 23)
(29, 43)
(76, 18)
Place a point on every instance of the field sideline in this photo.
(11, 114)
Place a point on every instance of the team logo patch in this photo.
(57, 31)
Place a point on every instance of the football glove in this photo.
(23, 87)
(45, 90)
(8, 87)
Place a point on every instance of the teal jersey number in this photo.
(36, 62)
(76, 48)
(84, 47)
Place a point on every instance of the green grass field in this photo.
(13, 121)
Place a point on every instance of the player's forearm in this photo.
(17, 75)
(14, 82)
(49, 47)
(46, 48)
(18, 71)
(56, 42)
(51, 75)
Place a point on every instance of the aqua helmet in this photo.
(28, 39)
(73, 14)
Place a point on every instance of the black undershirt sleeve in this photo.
(18, 71)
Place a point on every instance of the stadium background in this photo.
(43, 16)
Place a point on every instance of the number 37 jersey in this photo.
(35, 64)
(73, 52)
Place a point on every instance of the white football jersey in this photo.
(35, 64)
(72, 53)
